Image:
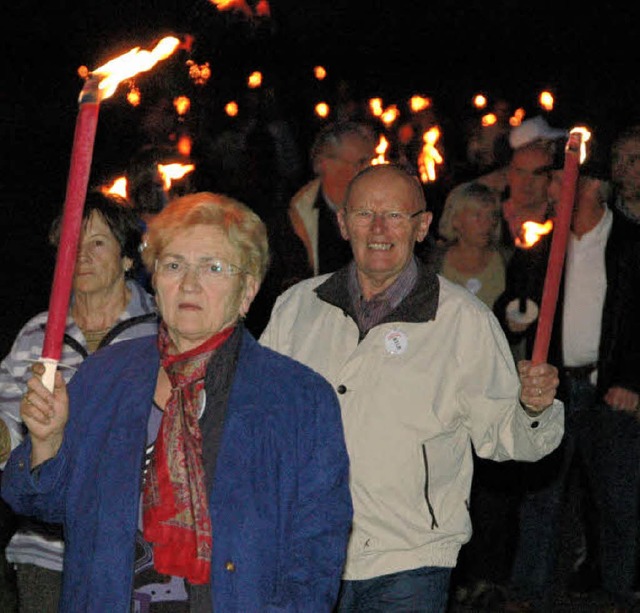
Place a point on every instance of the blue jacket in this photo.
(280, 503)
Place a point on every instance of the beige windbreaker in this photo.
(415, 395)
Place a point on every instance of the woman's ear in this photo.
(127, 263)
(249, 291)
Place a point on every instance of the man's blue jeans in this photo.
(422, 589)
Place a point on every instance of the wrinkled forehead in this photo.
(386, 187)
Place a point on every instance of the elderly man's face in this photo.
(342, 164)
(382, 246)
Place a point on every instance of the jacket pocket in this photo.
(425, 461)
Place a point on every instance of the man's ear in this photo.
(342, 223)
(425, 223)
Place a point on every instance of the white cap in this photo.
(531, 130)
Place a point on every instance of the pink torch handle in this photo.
(555, 264)
(81, 155)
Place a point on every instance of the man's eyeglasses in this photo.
(208, 269)
(393, 219)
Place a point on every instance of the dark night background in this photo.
(586, 55)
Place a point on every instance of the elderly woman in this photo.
(107, 306)
(470, 229)
(198, 466)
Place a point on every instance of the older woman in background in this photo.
(107, 306)
(469, 254)
(196, 467)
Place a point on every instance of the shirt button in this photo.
(535, 424)
(21, 464)
(230, 566)
(342, 389)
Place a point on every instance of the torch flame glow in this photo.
(419, 103)
(375, 106)
(173, 172)
(531, 233)
(429, 156)
(131, 63)
(381, 149)
(546, 100)
(389, 115)
(586, 135)
(322, 109)
(118, 187)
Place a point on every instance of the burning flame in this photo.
(173, 172)
(429, 156)
(182, 104)
(255, 79)
(133, 97)
(546, 100)
(322, 109)
(184, 145)
(389, 115)
(375, 105)
(233, 5)
(199, 74)
(517, 117)
(586, 135)
(489, 119)
(531, 233)
(118, 187)
(381, 149)
(132, 63)
(319, 73)
(231, 108)
(479, 101)
(419, 103)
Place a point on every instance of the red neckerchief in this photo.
(175, 504)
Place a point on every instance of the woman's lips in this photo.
(189, 306)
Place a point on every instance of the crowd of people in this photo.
(320, 396)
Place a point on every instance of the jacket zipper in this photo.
(434, 522)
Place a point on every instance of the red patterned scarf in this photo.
(175, 504)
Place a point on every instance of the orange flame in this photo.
(517, 117)
(389, 115)
(233, 5)
(419, 103)
(132, 63)
(531, 233)
(586, 135)
(375, 106)
(199, 74)
(181, 104)
(479, 101)
(381, 149)
(173, 172)
(319, 72)
(133, 97)
(184, 145)
(255, 79)
(429, 156)
(546, 100)
(489, 119)
(231, 108)
(118, 187)
(322, 109)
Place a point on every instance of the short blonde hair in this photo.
(470, 195)
(244, 229)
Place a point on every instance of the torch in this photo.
(99, 85)
(574, 154)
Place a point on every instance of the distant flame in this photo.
(389, 115)
(233, 5)
(546, 100)
(319, 73)
(419, 103)
(322, 109)
(489, 119)
(479, 101)
(517, 117)
(184, 145)
(429, 156)
(381, 149)
(118, 187)
(531, 233)
(255, 79)
(173, 172)
(182, 104)
(133, 96)
(231, 108)
(132, 63)
(375, 105)
(199, 74)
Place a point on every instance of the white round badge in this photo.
(396, 342)
(474, 285)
